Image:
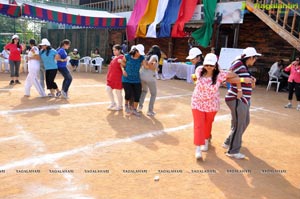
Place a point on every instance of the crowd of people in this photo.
(136, 72)
(43, 64)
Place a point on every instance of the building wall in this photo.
(85, 40)
(256, 33)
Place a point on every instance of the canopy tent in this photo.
(10, 10)
(65, 15)
(72, 16)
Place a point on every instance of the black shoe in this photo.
(18, 82)
(11, 82)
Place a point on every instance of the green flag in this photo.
(203, 35)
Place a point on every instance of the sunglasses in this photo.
(212, 66)
(297, 59)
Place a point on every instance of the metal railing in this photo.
(113, 5)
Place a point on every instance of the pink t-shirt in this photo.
(206, 97)
(294, 73)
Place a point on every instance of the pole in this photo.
(14, 26)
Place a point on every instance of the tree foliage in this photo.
(25, 28)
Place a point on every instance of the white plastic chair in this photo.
(97, 62)
(68, 61)
(84, 61)
(1, 61)
(273, 80)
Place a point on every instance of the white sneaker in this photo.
(139, 108)
(111, 107)
(134, 112)
(151, 113)
(236, 155)
(198, 153)
(117, 108)
(289, 105)
(225, 146)
(298, 107)
(205, 146)
(64, 94)
(127, 109)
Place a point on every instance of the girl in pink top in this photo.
(206, 99)
(114, 79)
(294, 82)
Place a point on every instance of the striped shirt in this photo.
(242, 71)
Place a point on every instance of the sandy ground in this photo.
(76, 149)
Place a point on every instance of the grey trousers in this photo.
(240, 118)
(151, 85)
(14, 68)
(42, 77)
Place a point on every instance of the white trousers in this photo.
(110, 94)
(6, 64)
(33, 79)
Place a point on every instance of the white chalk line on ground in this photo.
(79, 86)
(24, 135)
(66, 106)
(50, 158)
(270, 111)
(5, 139)
(70, 187)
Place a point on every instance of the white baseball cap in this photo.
(45, 42)
(194, 52)
(15, 37)
(75, 49)
(140, 48)
(210, 59)
(132, 47)
(250, 52)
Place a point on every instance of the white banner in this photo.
(229, 13)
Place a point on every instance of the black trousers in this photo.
(293, 86)
(132, 90)
(50, 77)
(160, 69)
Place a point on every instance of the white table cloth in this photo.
(181, 70)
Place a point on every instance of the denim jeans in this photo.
(67, 78)
(14, 68)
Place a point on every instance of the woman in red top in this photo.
(114, 79)
(294, 82)
(14, 49)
